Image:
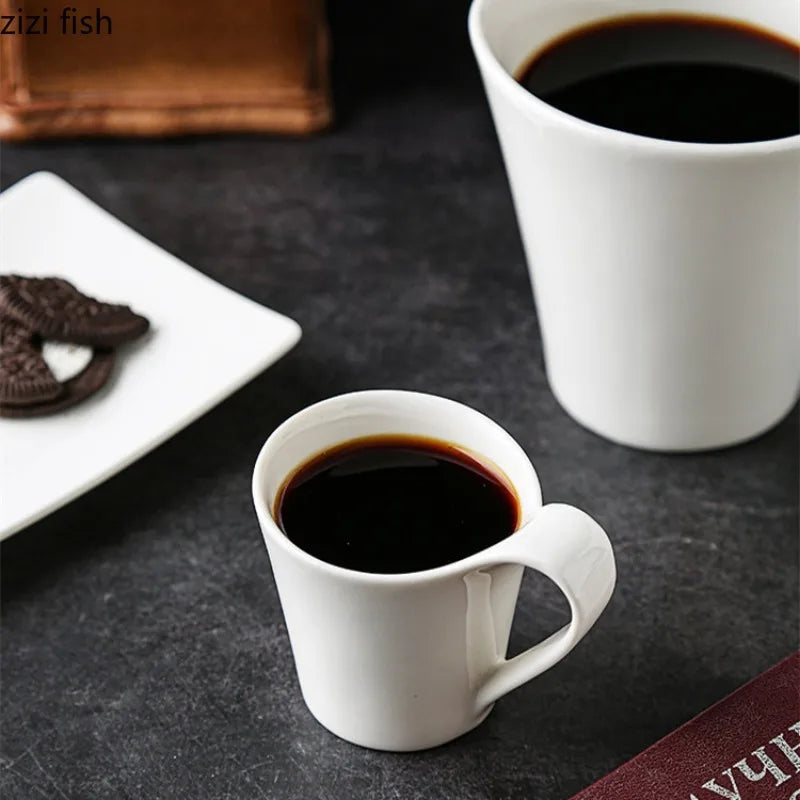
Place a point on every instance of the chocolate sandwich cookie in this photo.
(56, 310)
(72, 391)
(25, 378)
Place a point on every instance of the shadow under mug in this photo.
(409, 661)
(666, 274)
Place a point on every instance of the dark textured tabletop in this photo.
(144, 653)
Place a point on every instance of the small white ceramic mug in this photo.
(666, 274)
(409, 661)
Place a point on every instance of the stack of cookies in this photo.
(57, 345)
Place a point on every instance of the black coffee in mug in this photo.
(395, 503)
(668, 76)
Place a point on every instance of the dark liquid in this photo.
(684, 78)
(395, 504)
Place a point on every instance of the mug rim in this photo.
(272, 532)
(533, 105)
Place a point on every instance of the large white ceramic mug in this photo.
(665, 273)
(408, 661)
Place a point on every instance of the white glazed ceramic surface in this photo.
(665, 273)
(404, 662)
(206, 341)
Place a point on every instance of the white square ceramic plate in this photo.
(205, 342)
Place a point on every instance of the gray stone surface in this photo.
(144, 653)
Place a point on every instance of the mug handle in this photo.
(571, 549)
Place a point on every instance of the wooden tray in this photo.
(167, 67)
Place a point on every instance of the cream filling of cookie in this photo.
(66, 360)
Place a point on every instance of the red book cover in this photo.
(745, 747)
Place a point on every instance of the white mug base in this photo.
(394, 744)
(676, 444)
